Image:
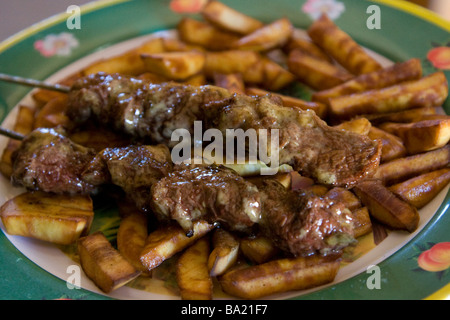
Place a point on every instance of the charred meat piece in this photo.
(328, 155)
(139, 108)
(302, 223)
(212, 193)
(49, 161)
(133, 168)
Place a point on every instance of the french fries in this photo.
(339, 45)
(420, 190)
(361, 126)
(429, 91)
(166, 241)
(386, 77)
(401, 169)
(192, 273)
(317, 73)
(421, 136)
(225, 252)
(58, 219)
(231, 61)
(174, 65)
(206, 35)
(229, 19)
(103, 264)
(279, 276)
(233, 82)
(386, 207)
(306, 46)
(258, 249)
(270, 36)
(392, 147)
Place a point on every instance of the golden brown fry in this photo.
(316, 73)
(131, 237)
(386, 207)
(233, 82)
(345, 196)
(192, 273)
(59, 219)
(279, 276)
(430, 91)
(339, 45)
(306, 46)
(175, 65)
(270, 36)
(401, 169)
(52, 114)
(229, 19)
(128, 63)
(410, 115)
(103, 264)
(168, 240)
(391, 146)
(24, 124)
(204, 34)
(360, 125)
(224, 254)
(258, 249)
(232, 61)
(421, 136)
(275, 76)
(361, 222)
(319, 108)
(420, 190)
(386, 77)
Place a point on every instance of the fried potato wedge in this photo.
(270, 36)
(386, 77)
(316, 73)
(52, 114)
(319, 108)
(420, 190)
(224, 254)
(206, 35)
(359, 125)
(386, 207)
(233, 82)
(306, 46)
(233, 61)
(361, 222)
(421, 136)
(59, 219)
(129, 63)
(168, 240)
(345, 196)
(405, 116)
(24, 124)
(229, 19)
(429, 91)
(391, 146)
(401, 169)
(339, 45)
(103, 264)
(279, 276)
(131, 237)
(275, 76)
(192, 272)
(258, 249)
(175, 65)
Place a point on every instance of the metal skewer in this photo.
(11, 134)
(34, 83)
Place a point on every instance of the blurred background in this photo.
(16, 15)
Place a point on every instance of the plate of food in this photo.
(226, 150)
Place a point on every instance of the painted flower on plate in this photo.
(187, 6)
(56, 44)
(435, 259)
(440, 57)
(315, 8)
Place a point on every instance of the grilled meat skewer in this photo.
(154, 111)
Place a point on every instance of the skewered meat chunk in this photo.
(302, 223)
(154, 111)
(212, 193)
(48, 161)
(139, 108)
(133, 168)
(307, 143)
